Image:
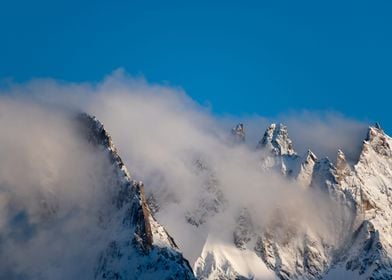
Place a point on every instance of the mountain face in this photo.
(283, 249)
(140, 248)
(276, 139)
(368, 254)
(362, 192)
(279, 148)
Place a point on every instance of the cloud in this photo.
(161, 134)
(52, 187)
(326, 132)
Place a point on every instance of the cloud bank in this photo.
(160, 133)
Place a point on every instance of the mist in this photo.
(160, 133)
(53, 185)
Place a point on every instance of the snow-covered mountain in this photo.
(348, 237)
(140, 248)
(362, 193)
(368, 251)
(358, 242)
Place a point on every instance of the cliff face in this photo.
(139, 247)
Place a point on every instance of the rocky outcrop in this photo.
(276, 139)
(278, 152)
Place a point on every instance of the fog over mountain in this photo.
(201, 185)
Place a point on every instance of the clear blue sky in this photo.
(264, 57)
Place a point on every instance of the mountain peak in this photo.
(304, 176)
(95, 133)
(378, 140)
(138, 246)
(310, 156)
(342, 167)
(340, 158)
(276, 139)
(374, 131)
(238, 133)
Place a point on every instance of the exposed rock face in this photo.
(276, 139)
(278, 151)
(343, 169)
(140, 248)
(305, 173)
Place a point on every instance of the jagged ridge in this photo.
(140, 247)
(364, 191)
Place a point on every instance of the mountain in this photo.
(363, 191)
(369, 249)
(360, 246)
(283, 249)
(140, 248)
(280, 154)
(333, 222)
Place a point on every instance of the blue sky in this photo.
(241, 57)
